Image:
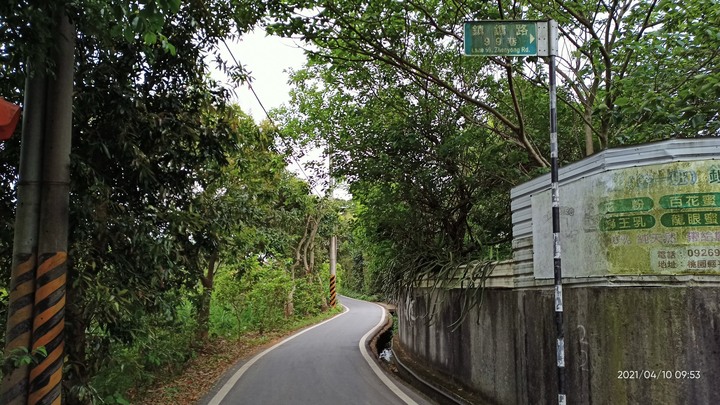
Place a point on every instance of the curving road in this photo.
(325, 364)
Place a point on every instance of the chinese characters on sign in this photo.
(501, 38)
(714, 174)
(694, 200)
(679, 223)
(691, 259)
(669, 219)
(627, 222)
(661, 219)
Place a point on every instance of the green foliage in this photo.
(307, 297)
(258, 297)
(159, 349)
(21, 356)
(267, 298)
(640, 70)
(116, 399)
(431, 142)
(4, 298)
(168, 180)
(674, 88)
(428, 189)
(223, 322)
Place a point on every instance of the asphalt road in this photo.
(325, 364)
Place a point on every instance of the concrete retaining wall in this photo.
(641, 303)
(625, 345)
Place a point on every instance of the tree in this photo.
(431, 141)
(428, 182)
(232, 206)
(639, 70)
(612, 53)
(142, 138)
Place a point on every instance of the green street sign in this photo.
(506, 38)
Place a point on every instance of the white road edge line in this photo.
(217, 399)
(374, 366)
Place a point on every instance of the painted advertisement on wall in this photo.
(659, 219)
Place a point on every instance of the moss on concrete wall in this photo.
(625, 345)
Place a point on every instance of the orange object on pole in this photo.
(9, 117)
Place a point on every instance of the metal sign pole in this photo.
(531, 38)
(554, 175)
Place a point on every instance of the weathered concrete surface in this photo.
(505, 349)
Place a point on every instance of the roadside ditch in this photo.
(393, 359)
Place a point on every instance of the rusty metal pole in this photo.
(51, 276)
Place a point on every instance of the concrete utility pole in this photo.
(333, 244)
(27, 215)
(39, 269)
(333, 270)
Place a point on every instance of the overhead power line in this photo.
(272, 122)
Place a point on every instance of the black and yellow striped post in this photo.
(333, 270)
(48, 329)
(19, 327)
(36, 315)
(333, 291)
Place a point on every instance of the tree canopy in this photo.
(432, 141)
(170, 183)
(174, 189)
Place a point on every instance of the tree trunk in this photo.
(289, 303)
(300, 248)
(203, 311)
(323, 300)
(310, 248)
(589, 149)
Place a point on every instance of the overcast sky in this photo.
(268, 59)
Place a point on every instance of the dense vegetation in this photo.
(186, 224)
(431, 141)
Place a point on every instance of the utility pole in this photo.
(333, 243)
(27, 216)
(36, 316)
(51, 277)
(333, 270)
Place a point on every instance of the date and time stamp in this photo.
(659, 374)
(648, 374)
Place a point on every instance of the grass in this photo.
(216, 356)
